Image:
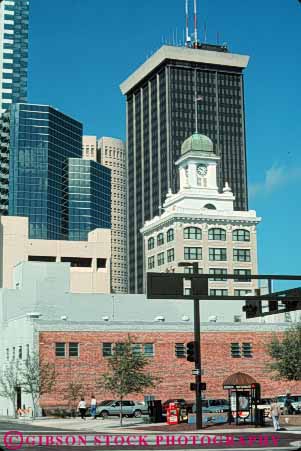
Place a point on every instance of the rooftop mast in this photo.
(187, 24)
(195, 26)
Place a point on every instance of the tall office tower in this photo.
(111, 153)
(13, 52)
(39, 141)
(162, 97)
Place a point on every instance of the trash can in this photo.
(155, 411)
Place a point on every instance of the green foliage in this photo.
(127, 373)
(73, 393)
(286, 354)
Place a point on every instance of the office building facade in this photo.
(36, 175)
(112, 154)
(161, 115)
(14, 17)
(89, 197)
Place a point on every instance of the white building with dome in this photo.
(199, 223)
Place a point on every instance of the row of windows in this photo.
(17, 353)
(195, 253)
(236, 350)
(72, 349)
(195, 233)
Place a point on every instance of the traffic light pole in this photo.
(197, 363)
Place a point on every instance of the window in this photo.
(170, 255)
(148, 349)
(107, 349)
(237, 318)
(7, 353)
(160, 239)
(217, 234)
(136, 348)
(20, 352)
(14, 353)
(27, 351)
(151, 262)
(242, 255)
(180, 350)
(60, 349)
(192, 233)
(73, 349)
(241, 235)
(151, 243)
(235, 350)
(77, 262)
(247, 350)
(188, 270)
(217, 254)
(101, 263)
(187, 291)
(160, 259)
(218, 292)
(218, 271)
(242, 272)
(192, 253)
(170, 235)
(210, 207)
(242, 292)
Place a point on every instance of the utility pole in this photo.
(197, 360)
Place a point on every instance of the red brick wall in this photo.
(175, 372)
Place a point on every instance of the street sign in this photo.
(196, 372)
(201, 386)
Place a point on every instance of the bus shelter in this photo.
(243, 396)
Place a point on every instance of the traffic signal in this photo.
(191, 351)
(253, 309)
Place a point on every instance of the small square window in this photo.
(148, 349)
(235, 350)
(107, 350)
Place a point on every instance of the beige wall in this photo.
(15, 247)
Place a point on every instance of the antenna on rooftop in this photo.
(187, 41)
(195, 25)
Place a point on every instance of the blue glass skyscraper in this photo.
(14, 16)
(89, 197)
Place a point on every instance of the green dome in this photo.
(200, 143)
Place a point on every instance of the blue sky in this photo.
(80, 51)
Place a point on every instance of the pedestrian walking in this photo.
(275, 413)
(82, 408)
(93, 407)
(288, 406)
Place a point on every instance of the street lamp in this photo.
(197, 340)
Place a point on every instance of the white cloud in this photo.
(275, 178)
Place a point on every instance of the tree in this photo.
(287, 354)
(127, 372)
(9, 382)
(38, 378)
(73, 393)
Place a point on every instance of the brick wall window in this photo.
(107, 350)
(73, 349)
(20, 352)
(180, 351)
(136, 348)
(148, 349)
(60, 349)
(235, 350)
(247, 350)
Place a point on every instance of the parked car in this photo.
(129, 408)
(296, 402)
(213, 406)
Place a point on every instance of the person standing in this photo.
(275, 413)
(93, 407)
(82, 408)
(288, 406)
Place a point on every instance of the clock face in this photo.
(202, 169)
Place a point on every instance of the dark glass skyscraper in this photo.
(14, 17)
(89, 197)
(161, 115)
(34, 174)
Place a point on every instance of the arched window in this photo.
(170, 235)
(160, 239)
(241, 235)
(217, 234)
(151, 243)
(192, 233)
(210, 207)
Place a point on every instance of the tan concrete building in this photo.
(111, 153)
(199, 223)
(90, 261)
(90, 148)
